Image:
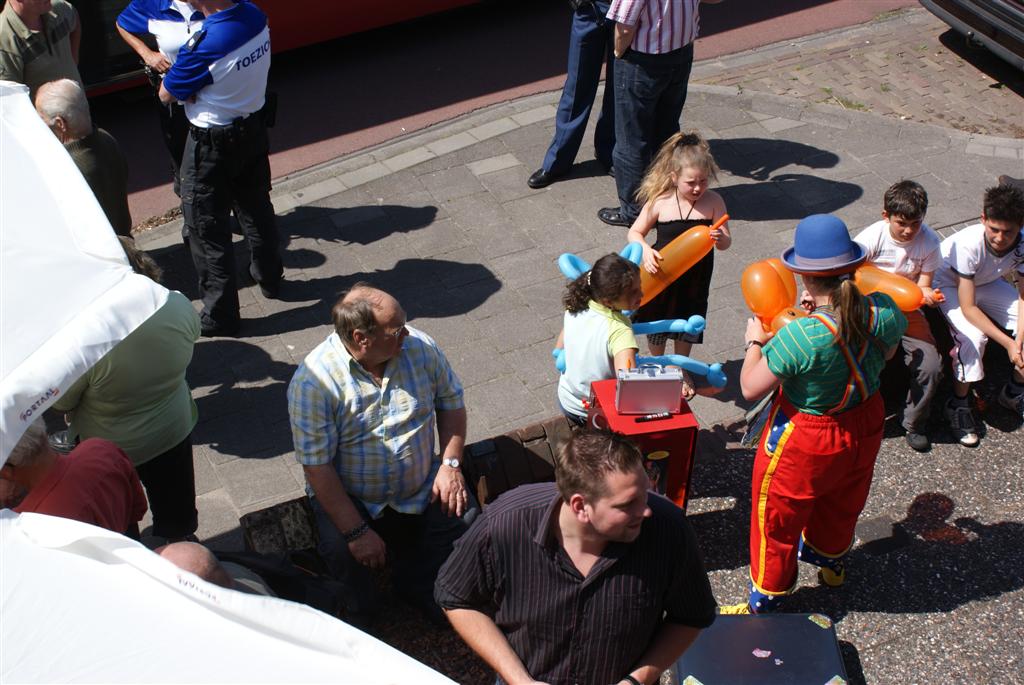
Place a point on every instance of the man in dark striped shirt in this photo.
(589, 580)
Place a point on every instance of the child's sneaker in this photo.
(1014, 403)
(961, 424)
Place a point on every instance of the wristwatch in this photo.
(753, 343)
(451, 462)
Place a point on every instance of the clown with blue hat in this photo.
(816, 455)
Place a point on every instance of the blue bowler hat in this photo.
(822, 247)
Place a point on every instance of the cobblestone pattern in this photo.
(896, 66)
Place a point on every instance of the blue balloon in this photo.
(571, 266)
(693, 326)
(713, 373)
(634, 252)
(559, 354)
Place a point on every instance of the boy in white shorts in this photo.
(979, 304)
(902, 244)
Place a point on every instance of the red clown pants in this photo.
(812, 475)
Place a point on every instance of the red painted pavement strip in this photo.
(427, 79)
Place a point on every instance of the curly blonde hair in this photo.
(684, 149)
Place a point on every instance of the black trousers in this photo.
(170, 483)
(225, 168)
(174, 129)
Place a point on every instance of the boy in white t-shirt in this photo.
(902, 244)
(979, 304)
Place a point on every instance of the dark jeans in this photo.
(650, 91)
(417, 546)
(590, 46)
(223, 168)
(170, 483)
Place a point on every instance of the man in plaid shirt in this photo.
(363, 407)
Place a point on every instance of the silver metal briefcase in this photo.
(648, 390)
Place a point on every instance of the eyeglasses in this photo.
(397, 334)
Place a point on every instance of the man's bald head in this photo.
(195, 558)
(359, 308)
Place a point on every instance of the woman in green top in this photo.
(816, 457)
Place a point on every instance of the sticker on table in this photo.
(836, 680)
(762, 653)
(690, 680)
(821, 620)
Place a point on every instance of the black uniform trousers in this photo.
(225, 168)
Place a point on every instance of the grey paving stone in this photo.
(507, 184)
(218, 517)
(492, 164)
(520, 269)
(408, 159)
(249, 481)
(451, 143)
(498, 240)
(493, 128)
(449, 184)
(518, 328)
(504, 399)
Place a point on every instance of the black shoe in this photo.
(613, 217)
(542, 179)
(269, 290)
(210, 329)
(918, 442)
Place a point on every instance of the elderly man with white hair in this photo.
(63, 106)
(94, 484)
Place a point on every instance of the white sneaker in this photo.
(961, 424)
(1014, 403)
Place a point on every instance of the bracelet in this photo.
(356, 532)
(753, 343)
(632, 681)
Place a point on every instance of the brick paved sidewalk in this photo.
(896, 66)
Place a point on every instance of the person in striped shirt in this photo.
(364, 405)
(815, 460)
(654, 51)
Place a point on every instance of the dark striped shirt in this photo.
(564, 627)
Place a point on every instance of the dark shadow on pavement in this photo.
(851, 660)
(721, 472)
(759, 158)
(243, 409)
(788, 197)
(929, 563)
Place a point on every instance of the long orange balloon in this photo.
(765, 291)
(870, 279)
(677, 257)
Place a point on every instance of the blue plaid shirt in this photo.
(379, 438)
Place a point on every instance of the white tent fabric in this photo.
(82, 604)
(67, 294)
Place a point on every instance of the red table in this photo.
(668, 445)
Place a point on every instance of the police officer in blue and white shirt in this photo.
(170, 23)
(221, 76)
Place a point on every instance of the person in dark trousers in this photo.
(654, 51)
(221, 76)
(590, 46)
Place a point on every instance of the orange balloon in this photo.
(907, 295)
(788, 279)
(677, 257)
(764, 291)
(785, 317)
